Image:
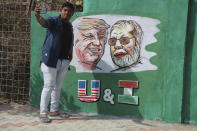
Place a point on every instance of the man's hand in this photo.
(70, 57)
(40, 20)
(37, 11)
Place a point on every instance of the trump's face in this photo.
(90, 45)
(123, 46)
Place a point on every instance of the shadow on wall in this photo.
(36, 85)
(189, 45)
(109, 81)
(67, 102)
(36, 89)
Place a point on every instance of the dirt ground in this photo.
(15, 117)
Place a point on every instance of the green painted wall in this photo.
(190, 83)
(160, 91)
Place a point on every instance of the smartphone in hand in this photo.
(42, 5)
(43, 10)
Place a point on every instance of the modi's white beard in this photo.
(128, 60)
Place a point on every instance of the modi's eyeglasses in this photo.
(123, 41)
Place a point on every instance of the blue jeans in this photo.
(53, 81)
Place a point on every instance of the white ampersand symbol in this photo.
(108, 96)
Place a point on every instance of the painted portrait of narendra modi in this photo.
(124, 41)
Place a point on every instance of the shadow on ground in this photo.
(26, 110)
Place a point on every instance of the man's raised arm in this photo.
(40, 20)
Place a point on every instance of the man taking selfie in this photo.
(56, 57)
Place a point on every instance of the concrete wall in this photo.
(151, 89)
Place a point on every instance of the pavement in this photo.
(15, 117)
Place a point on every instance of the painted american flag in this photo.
(95, 91)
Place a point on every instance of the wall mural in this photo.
(113, 43)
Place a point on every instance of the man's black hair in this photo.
(68, 4)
